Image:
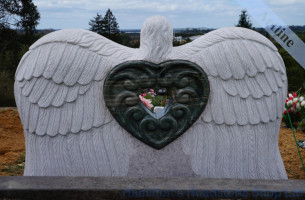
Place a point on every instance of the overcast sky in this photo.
(62, 14)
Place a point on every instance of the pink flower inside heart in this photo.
(146, 102)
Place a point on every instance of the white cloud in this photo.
(132, 13)
(285, 2)
(158, 6)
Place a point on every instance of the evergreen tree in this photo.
(96, 24)
(29, 16)
(244, 20)
(106, 26)
(8, 9)
(110, 26)
(14, 14)
(19, 13)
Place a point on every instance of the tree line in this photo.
(108, 27)
(18, 22)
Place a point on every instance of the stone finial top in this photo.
(156, 39)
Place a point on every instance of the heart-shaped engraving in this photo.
(190, 92)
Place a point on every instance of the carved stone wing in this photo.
(59, 82)
(59, 94)
(238, 131)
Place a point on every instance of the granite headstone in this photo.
(81, 116)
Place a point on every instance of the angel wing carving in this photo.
(58, 92)
(237, 136)
(70, 132)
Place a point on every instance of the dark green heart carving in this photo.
(188, 83)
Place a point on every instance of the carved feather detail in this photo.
(248, 90)
(70, 132)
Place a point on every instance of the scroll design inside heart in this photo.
(188, 83)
